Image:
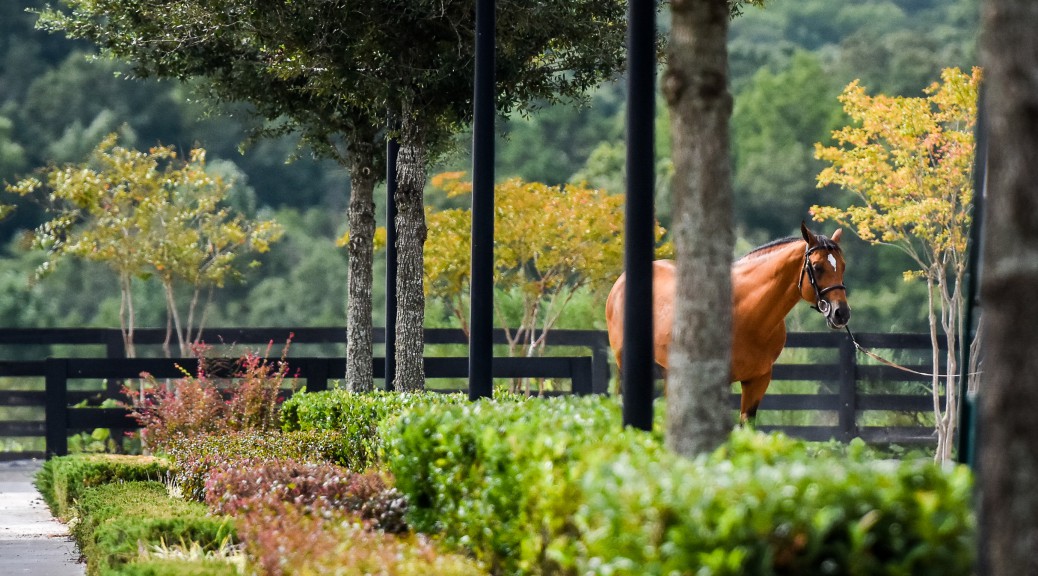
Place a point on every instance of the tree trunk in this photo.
(359, 349)
(411, 232)
(1008, 453)
(127, 315)
(695, 86)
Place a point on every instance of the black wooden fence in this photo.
(844, 391)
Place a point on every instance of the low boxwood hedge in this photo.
(174, 567)
(114, 522)
(62, 479)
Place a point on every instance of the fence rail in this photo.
(846, 387)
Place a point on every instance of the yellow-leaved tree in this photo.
(147, 214)
(909, 161)
(550, 244)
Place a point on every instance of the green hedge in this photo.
(499, 478)
(769, 505)
(62, 479)
(175, 568)
(356, 416)
(114, 522)
(558, 487)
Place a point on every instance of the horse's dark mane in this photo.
(775, 244)
(824, 241)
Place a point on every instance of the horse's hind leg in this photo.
(752, 393)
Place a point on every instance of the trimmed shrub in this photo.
(558, 487)
(499, 478)
(62, 479)
(194, 458)
(175, 568)
(357, 417)
(250, 484)
(115, 521)
(767, 505)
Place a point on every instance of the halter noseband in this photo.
(821, 304)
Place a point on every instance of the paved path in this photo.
(32, 542)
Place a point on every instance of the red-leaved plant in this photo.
(215, 400)
(250, 484)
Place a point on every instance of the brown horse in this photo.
(766, 284)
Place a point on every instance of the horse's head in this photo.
(823, 269)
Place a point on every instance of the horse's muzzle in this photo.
(837, 315)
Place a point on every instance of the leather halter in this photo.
(821, 304)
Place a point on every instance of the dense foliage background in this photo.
(789, 61)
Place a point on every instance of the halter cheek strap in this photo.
(821, 304)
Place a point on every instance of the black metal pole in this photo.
(392, 148)
(638, 364)
(481, 300)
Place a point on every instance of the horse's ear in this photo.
(837, 235)
(809, 236)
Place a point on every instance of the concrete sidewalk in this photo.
(31, 540)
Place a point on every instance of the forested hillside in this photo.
(789, 62)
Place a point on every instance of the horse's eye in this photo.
(819, 268)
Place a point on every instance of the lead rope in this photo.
(879, 358)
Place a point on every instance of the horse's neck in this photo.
(764, 285)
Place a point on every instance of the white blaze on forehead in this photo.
(832, 261)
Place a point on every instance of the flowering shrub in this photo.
(241, 487)
(196, 404)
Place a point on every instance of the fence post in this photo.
(581, 371)
(600, 372)
(56, 406)
(316, 371)
(848, 390)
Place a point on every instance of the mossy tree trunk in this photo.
(1008, 391)
(695, 86)
(359, 349)
(411, 233)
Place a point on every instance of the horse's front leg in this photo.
(752, 393)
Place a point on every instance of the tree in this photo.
(143, 214)
(194, 240)
(334, 72)
(244, 53)
(551, 243)
(909, 162)
(695, 85)
(1007, 454)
